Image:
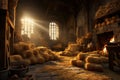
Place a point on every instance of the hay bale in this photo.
(39, 58)
(46, 56)
(104, 59)
(95, 55)
(80, 63)
(82, 56)
(27, 54)
(73, 62)
(93, 52)
(42, 49)
(93, 67)
(17, 49)
(27, 61)
(33, 60)
(22, 46)
(93, 59)
(77, 63)
(16, 58)
(51, 54)
(73, 47)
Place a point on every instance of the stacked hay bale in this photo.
(16, 58)
(31, 54)
(47, 53)
(71, 50)
(20, 47)
(90, 61)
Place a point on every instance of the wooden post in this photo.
(3, 42)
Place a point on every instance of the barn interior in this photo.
(60, 40)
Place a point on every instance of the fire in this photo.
(105, 49)
(112, 40)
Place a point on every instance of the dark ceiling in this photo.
(49, 9)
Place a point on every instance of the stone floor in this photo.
(63, 70)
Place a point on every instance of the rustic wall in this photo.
(86, 16)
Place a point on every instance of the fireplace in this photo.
(103, 39)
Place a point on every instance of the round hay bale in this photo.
(93, 67)
(73, 62)
(46, 56)
(27, 61)
(33, 60)
(93, 59)
(17, 49)
(25, 46)
(82, 56)
(56, 57)
(51, 54)
(77, 63)
(80, 63)
(41, 49)
(36, 53)
(40, 60)
(28, 54)
(16, 58)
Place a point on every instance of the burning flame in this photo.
(105, 49)
(112, 40)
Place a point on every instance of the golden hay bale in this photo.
(96, 55)
(40, 60)
(33, 60)
(93, 67)
(77, 63)
(36, 52)
(41, 49)
(16, 58)
(24, 45)
(17, 49)
(28, 54)
(51, 54)
(93, 59)
(104, 59)
(82, 56)
(73, 47)
(93, 52)
(46, 56)
(80, 63)
(55, 57)
(27, 61)
(39, 57)
(73, 62)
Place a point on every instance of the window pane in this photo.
(27, 26)
(53, 31)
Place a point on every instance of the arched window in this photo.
(53, 31)
(27, 27)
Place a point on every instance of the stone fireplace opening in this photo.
(103, 39)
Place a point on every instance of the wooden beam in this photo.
(10, 22)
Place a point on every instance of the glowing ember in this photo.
(112, 40)
(105, 49)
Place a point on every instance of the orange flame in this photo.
(112, 40)
(105, 49)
